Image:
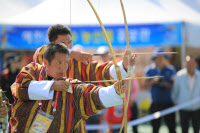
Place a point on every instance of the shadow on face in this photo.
(190, 64)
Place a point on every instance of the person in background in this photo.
(4, 111)
(160, 89)
(77, 47)
(198, 62)
(114, 115)
(135, 87)
(99, 117)
(104, 53)
(12, 68)
(186, 88)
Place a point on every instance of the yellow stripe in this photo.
(79, 67)
(92, 103)
(49, 106)
(14, 111)
(41, 54)
(88, 72)
(63, 112)
(72, 69)
(31, 66)
(82, 103)
(77, 124)
(82, 127)
(96, 69)
(29, 122)
(103, 71)
(25, 71)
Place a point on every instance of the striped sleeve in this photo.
(38, 56)
(94, 71)
(27, 74)
(87, 99)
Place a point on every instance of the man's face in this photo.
(160, 59)
(66, 39)
(105, 58)
(190, 64)
(58, 66)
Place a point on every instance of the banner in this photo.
(14, 37)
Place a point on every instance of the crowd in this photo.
(49, 88)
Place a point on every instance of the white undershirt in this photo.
(191, 81)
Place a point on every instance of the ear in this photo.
(46, 63)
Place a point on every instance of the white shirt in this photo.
(191, 81)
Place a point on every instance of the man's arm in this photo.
(91, 99)
(92, 71)
(81, 56)
(26, 87)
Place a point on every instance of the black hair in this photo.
(53, 48)
(56, 30)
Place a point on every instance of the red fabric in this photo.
(114, 115)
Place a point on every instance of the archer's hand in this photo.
(123, 87)
(3, 109)
(60, 85)
(131, 62)
(81, 56)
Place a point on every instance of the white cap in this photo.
(77, 47)
(103, 50)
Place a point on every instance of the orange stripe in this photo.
(99, 72)
(85, 93)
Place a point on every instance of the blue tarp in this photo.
(15, 37)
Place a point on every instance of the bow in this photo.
(115, 62)
(122, 95)
(124, 122)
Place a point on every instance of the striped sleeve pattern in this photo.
(38, 56)
(87, 103)
(20, 87)
(94, 71)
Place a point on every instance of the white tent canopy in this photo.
(78, 12)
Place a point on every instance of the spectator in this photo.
(9, 74)
(4, 111)
(133, 105)
(198, 62)
(105, 53)
(77, 47)
(114, 115)
(186, 88)
(161, 89)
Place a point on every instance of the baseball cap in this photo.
(156, 55)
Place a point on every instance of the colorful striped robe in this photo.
(72, 109)
(92, 72)
(77, 70)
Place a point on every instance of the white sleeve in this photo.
(109, 97)
(124, 74)
(40, 90)
(70, 50)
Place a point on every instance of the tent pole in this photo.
(184, 44)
